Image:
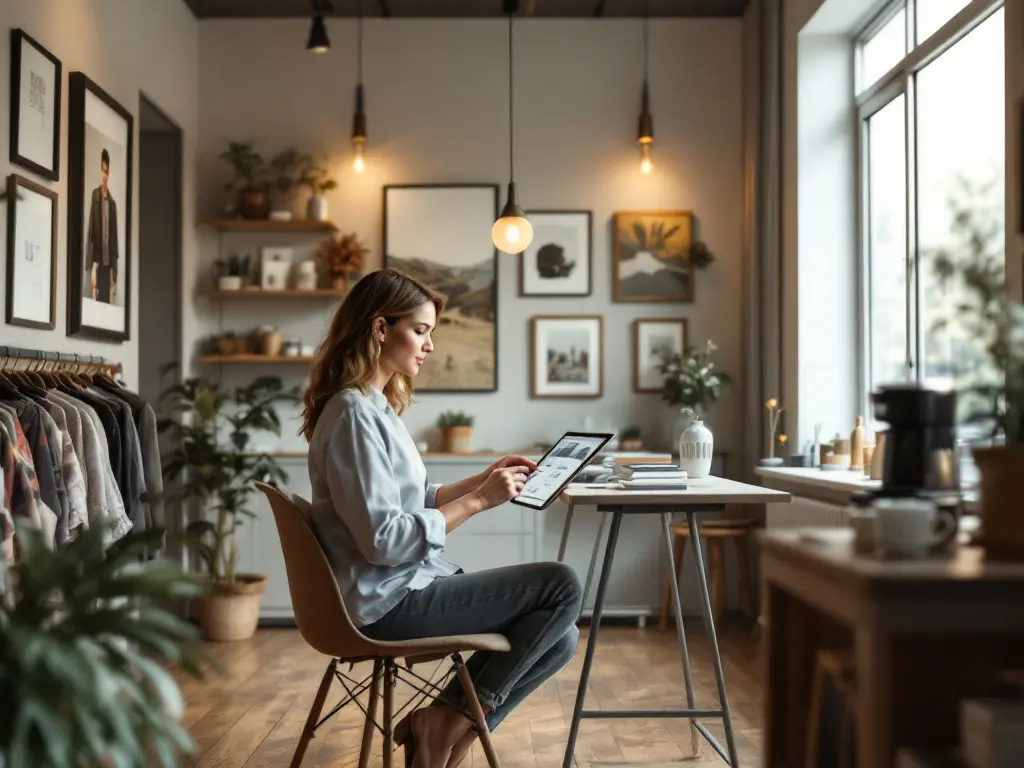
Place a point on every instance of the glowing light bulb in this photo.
(646, 166)
(359, 163)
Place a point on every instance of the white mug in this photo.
(907, 526)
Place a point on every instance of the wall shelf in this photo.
(267, 225)
(251, 359)
(319, 293)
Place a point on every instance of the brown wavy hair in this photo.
(348, 355)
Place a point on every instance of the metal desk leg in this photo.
(565, 535)
(673, 579)
(593, 560)
(709, 623)
(595, 624)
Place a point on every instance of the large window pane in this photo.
(932, 14)
(961, 159)
(887, 243)
(883, 50)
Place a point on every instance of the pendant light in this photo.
(645, 131)
(359, 118)
(512, 232)
(318, 41)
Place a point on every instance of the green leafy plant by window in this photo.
(85, 653)
(692, 380)
(454, 419)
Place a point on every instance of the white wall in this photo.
(437, 108)
(127, 48)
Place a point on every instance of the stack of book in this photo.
(651, 477)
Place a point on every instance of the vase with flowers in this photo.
(343, 256)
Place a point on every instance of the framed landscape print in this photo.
(35, 106)
(651, 259)
(566, 356)
(440, 234)
(31, 254)
(653, 338)
(558, 261)
(100, 138)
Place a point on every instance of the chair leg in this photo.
(476, 710)
(677, 560)
(371, 714)
(389, 708)
(314, 714)
(716, 575)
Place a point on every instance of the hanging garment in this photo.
(74, 480)
(45, 517)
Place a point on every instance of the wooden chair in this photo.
(324, 623)
(715, 533)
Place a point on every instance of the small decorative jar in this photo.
(305, 275)
(696, 447)
(292, 348)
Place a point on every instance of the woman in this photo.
(383, 527)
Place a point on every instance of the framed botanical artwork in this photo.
(566, 356)
(440, 234)
(31, 254)
(35, 106)
(651, 256)
(100, 144)
(559, 260)
(653, 339)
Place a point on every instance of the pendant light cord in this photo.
(511, 131)
(359, 45)
(646, 46)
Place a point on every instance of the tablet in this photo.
(557, 468)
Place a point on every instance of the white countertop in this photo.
(707, 490)
(835, 480)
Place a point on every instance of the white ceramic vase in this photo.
(696, 446)
(316, 208)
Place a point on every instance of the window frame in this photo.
(900, 79)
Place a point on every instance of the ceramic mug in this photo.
(910, 527)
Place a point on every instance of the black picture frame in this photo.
(461, 372)
(584, 219)
(18, 188)
(83, 312)
(21, 44)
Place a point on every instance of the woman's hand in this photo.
(509, 461)
(502, 484)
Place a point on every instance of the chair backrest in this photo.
(320, 612)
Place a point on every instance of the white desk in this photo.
(705, 495)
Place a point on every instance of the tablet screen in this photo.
(572, 452)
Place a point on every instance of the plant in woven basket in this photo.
(342, 256)
(85, 653)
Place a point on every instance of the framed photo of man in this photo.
(100, 138)
(35, 106)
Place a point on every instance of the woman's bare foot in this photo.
(435, 731)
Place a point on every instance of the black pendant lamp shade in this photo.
(318, 40)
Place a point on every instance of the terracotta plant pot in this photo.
(632, 444)
(254, 203)
(232, 611)
(271, 343)
(456, 439)
(1000, 487)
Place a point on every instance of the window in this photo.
(932, 175)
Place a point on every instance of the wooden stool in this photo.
(715, 533)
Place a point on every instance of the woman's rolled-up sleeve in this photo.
(430, 492)
(367, 497)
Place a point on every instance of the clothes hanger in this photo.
(63, 377)
(7, 387)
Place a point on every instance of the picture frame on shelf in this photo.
(100, 170)
(559, 261)
(275, 266)
(566, 356)
(650, 256)
(31, 254)
(35, 108)
(651, 337)
(440, 234)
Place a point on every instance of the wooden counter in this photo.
(922, 635)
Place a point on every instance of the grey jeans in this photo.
(535, 605)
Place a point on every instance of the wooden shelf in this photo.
(267, 225)
(319, 293)
(251, 358)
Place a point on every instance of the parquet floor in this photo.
(251, 712)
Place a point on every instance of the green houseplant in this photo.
(631, 440)
(286, 169)
(457, 429)
(86, 653)
(317, 179)
(691, 382)
(249, 179)
(212, 459)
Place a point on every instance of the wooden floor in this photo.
(251, 712)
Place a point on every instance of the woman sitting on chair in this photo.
(383, 527)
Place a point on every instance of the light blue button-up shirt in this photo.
(372, 508)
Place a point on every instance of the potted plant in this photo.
(231, 272)
(343, 256)
(211, 457)
(631, 439)
(86, 652)
(978, 314)
(286, 169)
(691, 382)
(248, 180)
(316, 178)
(456, 429)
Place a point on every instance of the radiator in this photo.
(804, 512)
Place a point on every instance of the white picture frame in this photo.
(559, 260)
(566, 356)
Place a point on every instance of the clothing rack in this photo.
(59, 360)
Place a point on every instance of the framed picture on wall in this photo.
(558, 261)
(35, 106)
(100, 139)
(650, 256)
(31, 254)
(566, 356)
(440, 234)
(653, 339)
